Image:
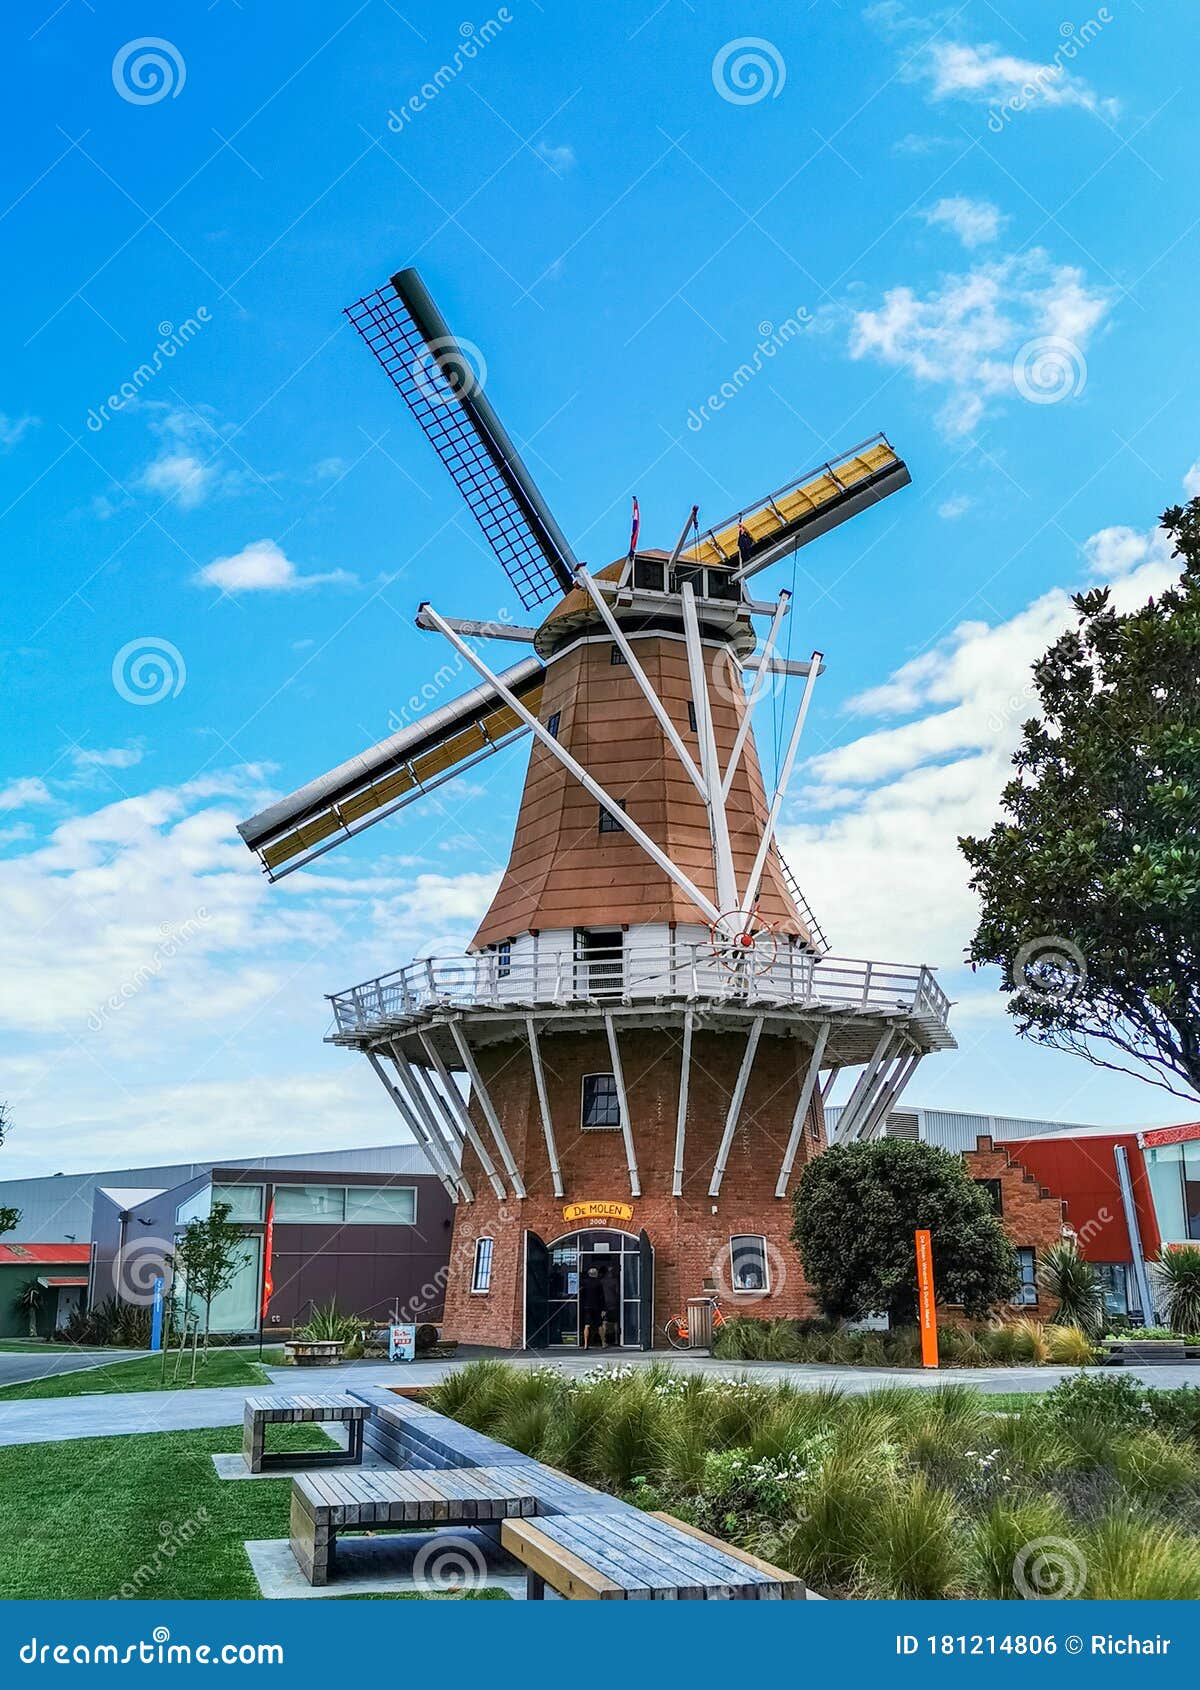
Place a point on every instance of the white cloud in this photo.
(985, 75)
(19, 794)
(14, 429)
(180, 476)
(114, 757)
(958, 504)
(1191, 481)
(262, 567)
(975, 222)
(560, 159)
(876, 850)
(966, 334)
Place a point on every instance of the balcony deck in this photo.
(643, 985)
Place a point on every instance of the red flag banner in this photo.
(268, 1252)
(635, 528)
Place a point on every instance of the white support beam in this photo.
(802, 1105)
(643, 680)
(727, 894)
(764, 664)
(903, 1072)
(850, 1116)
(635, 1184)
(410, 1084)
(735, 1106)
(480, 1091)
(452, 1128)
(539, 1080)
(685, 1070)
(454, 1098)
(703, 903)
(781, 785)
(485, 630)
(415, 1127)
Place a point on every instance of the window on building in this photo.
(995, 1194)
(1114, 1282)
(610, 823)
(310, 1202)
(1174, 1171)
(552, 724)
(649, 574)
(481, 1273)
(504, 959)
(615, 654)
(601, 1104)
(381, 1205)
(692, 716)
(1027, 1290)
(748, 1268)
(245, 1201)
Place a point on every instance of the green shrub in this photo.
(917, 1553)
(1116, 1400)
(836, 1525)
(1070, 1346)
(1132, 1558)
(1177, 1280)
(1003, 1533)
(1153, 1463)
(1074, 1285)
(1176, 1411)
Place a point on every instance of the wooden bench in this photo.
(636, 1556)
(261, 1412)
(328, 1503)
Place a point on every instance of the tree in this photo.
(10, 1219)
(28, 1301)
(208, 1256)
(1177, 1279)
(1090, 885)
(1073, 1283)
(856, 1210)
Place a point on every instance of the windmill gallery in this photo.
(649, 1017)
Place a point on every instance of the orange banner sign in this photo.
(598, 1210)
(926, 1303)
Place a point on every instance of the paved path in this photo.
(17, 1368)
(54, 1419)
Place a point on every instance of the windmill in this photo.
(648, 1017)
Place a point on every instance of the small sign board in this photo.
(598, 1209)
(402, 1342)
(156, 1315)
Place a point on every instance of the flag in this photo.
(268, 1251)
(635, 529)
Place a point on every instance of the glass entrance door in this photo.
(616, 1256)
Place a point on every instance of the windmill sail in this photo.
(393, 773)
(437, 381)
(810, 505)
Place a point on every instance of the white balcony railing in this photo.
(487, 980)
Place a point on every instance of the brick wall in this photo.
(691, 1241)
(1030, 1216)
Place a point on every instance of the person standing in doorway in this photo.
(591, 1307)
(610, 1285)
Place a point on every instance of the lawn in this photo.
(1089, 1490)
(40, 1346)
(223, 1367)
(142, 1516)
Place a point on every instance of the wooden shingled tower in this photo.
(625, 1071)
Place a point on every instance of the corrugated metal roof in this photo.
(12, 1255)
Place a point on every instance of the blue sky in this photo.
(979, 228)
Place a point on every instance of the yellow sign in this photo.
(598, 1210)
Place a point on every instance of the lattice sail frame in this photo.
(439, 384)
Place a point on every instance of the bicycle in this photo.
(676, 1328)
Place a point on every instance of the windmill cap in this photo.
(575, 615)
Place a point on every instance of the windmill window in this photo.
(1027, 1290)
(649, 575)
(504, 960)
(692, 716)
(481, 1272)
(615, 654)
(601, 1104)
(748, 1266)
(552, 724)
(610, 823)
